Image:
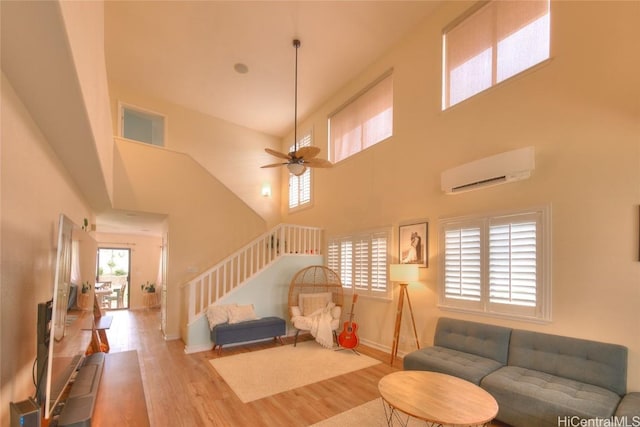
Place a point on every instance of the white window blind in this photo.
(300, 186)
(361, 261)
(363, 122)
(499, 40)
(497, 264)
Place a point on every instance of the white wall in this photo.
(35, 189)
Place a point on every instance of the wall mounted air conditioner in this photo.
(499, 169)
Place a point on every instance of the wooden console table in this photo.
(98, 325)
(436, 398)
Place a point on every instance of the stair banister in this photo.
(231, 272)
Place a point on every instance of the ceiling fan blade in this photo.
(318, 163)
(273, 165)
(277, 154)
(307, 152)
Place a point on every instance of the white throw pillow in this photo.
(242, 313)
(218, 314)
(309, 303)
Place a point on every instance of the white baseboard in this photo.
(197, 348)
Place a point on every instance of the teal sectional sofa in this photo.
(537, 379)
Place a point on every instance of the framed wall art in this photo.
(413, 244)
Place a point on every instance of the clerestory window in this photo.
(491, 44)
(363, 121)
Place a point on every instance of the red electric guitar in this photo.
(348, 337)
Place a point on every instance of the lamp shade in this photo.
(404, 273)
(296, 169)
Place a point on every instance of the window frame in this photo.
(541, 312)
(352, 103)
(472, 12)
(122, 106)
(337, 246)
(308, 174)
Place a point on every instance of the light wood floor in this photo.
(184, 389)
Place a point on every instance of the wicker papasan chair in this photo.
(316, 293)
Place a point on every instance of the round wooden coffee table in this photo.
(436, 398)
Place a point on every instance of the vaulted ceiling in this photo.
(185, 52)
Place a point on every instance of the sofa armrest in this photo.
(629, 406)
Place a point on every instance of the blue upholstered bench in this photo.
(251, 330)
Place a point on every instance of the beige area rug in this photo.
(370, 414)
(264, 373)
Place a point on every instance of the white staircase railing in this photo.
(213, 284)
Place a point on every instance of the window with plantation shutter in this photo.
(493, 42)
(497, 264)
(361, 260)
(300, 186)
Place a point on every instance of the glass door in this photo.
(112, 286)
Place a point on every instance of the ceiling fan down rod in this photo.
(296, 44)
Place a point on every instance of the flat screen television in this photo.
(59, 354)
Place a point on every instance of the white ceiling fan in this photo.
(298, 160)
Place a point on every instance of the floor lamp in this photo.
(403, 274)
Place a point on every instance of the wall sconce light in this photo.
(266, 190)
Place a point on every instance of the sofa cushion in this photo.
(305, 323)
(591, 362)
(467, 366)
(532, 398)
(483, 340)
(310, 303)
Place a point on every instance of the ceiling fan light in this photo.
(296, 169)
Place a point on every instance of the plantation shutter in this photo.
(333, 256)
(300, 186)
(379, 263)
(497, 264)
(513, 263)
(346, 263)
(361, 263)
(462, 266)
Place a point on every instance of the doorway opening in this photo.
(112, 286)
